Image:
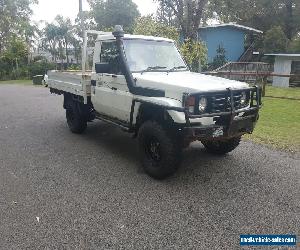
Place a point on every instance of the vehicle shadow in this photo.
(195, 159)
(114, 139)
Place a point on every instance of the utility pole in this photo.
(81, 17)
(85, 80)
(83, 58)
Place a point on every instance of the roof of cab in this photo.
(109, 36)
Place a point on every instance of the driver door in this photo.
(111, 96)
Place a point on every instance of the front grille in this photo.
(222, 102)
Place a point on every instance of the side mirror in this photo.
(102, 67)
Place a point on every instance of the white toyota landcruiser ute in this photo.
(143, 85)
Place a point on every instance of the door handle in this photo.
(113, 88)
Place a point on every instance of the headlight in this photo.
(202, 104)
(244, 99)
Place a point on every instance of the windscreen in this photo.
(144, 54)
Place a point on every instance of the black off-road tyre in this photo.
(77, 123)
(160, 151)
(223, 146)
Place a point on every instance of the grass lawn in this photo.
(283, 92)
(22, 82)
(279, 123)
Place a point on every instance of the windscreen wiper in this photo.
(153, 68)
(175, 68)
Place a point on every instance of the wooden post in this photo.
(264, 82)
(256, 74)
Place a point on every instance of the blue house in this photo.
(230, 36)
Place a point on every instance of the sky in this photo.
(48, 10)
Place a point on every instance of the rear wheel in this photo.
(160, 152)
(77, 123)
(222, 147)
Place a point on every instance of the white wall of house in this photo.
(283, 65)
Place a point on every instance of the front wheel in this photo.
(160, 152)
(222, 147)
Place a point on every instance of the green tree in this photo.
(76, 44)
(149, 27)
(260, 14)
(188, 14)
(195, 54)
(108, 13)
(51, 40)
(14, 56)
(88, 23)
(64, 32)
(76, 38)
(17, 37)
(220, 58)
(275, 41)
(32, 33)
(166, 15)
(14, 17)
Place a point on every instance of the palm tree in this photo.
(31, 34)
(64, 33)
(51, 39)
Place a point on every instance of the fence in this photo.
(258, 73)
(252, 72)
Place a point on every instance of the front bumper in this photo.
(238, 126)
(226, 124)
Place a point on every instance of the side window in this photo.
(109, 54)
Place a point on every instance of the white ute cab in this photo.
(142, 84)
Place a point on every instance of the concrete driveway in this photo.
(64, 191)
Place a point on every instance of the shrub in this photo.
(40, 68)
(74, 67)
(195, 54)
(220, 58)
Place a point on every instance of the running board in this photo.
(113, 122)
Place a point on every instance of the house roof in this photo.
(232, 25)
(285, 55)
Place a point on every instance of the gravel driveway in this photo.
(64, 191)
